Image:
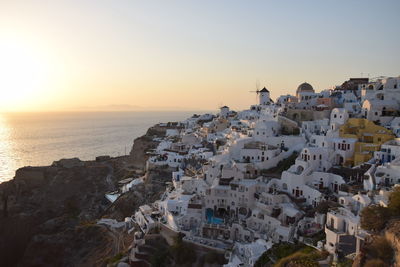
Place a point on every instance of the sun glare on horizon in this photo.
(24, 74)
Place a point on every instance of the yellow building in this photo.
(369, 135)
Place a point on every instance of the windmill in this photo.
(257, 91)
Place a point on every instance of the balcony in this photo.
(332, 229)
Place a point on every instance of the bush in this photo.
(182, 253)
(374, 218)
(283, 165)
(285, 249)
(116, 258)
(300, 255)
(345, 263)
(263, 260)
(299, 258)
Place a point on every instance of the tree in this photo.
(182, 253)
(374, 218)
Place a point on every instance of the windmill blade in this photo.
(258, 85)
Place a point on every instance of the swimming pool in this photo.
(211, 219)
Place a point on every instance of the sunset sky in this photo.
(68, 55)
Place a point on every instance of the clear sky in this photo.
(58, 55)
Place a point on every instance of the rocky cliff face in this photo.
(43, 206)
(144, 144)
(392, 234)
(48, 214)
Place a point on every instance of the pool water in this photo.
(211, 219)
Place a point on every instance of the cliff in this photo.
(48, 214)
(392, 234)
(42, 205)
(143, 145)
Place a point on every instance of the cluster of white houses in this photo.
(231, 186)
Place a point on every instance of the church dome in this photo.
(305, 87)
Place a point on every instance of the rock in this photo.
(81, 246)
(68, 163)
(44, 207)
(139, 151)
(102, 158)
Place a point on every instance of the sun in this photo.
(23, 74)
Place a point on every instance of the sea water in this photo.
(38, 139)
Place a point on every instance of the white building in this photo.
(264, 97)
(340, 222)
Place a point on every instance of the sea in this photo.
(38, 138)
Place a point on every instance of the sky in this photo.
(186, 55)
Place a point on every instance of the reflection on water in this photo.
(33, 139)
(8, 159)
